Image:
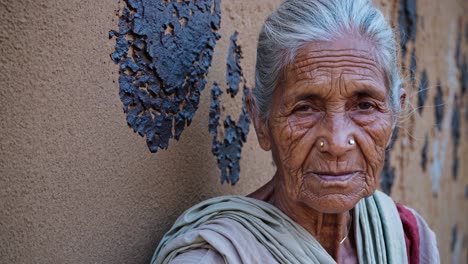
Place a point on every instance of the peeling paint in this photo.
(228, 150)
(456, 139)
(234, 71)
(461, 60)
(413, 68)
(466, 113)
(439, 106)
(436, 166)
(422, 91)
(463, 75)
(387, 176)
(215, 110)
(454, 237)
(440, 142)
(456, 245)
(424, 153)
(407, 20)
(164, 49)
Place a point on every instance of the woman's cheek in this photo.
(376, 125)
(373, 147)
(364, 120)
(295, 142)
(374, 150)
(304, 121)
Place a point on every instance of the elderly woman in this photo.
(327, 97)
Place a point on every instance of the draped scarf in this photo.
(378, 232)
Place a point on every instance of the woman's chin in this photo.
(334, 195)
(330, 209)
(335, 203)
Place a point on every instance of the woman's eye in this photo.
(365, 106)
(302, 108)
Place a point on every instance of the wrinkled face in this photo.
(333, 95)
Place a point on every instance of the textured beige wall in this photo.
(78, 186)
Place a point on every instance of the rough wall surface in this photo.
(78, 186)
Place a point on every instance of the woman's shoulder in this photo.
(214, 231)
(224, 240)
(198, 256)
(420, 240)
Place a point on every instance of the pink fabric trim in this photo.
(410, 227)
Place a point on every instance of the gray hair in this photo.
(298, 22)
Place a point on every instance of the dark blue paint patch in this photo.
(413, 68)
(466, 112)
(439, 106)
(234, 70)
(164, 49)
(464, 75)
(407, 20)
(394, 137)
(424, 153)
(215, 109)
(466, 192)
(422, 91)
(228, 150)
(456, 138)
(461, 60)
(387, 176)
(453, 242)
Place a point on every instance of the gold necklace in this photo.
(347, 233)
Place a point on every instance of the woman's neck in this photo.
(333, 231)
(328, 229)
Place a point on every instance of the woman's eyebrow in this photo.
(308, 96)
(359, 92)
(366, 91)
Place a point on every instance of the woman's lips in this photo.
(340, 176)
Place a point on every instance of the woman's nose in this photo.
(337, 137)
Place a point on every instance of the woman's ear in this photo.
(402, 96)
(260, 125)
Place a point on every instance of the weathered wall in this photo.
(78, 186)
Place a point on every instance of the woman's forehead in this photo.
(345, 61)
(348, 50)
(358, 44)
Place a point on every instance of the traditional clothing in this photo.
(236, 229)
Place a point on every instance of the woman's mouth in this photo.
(335, 176)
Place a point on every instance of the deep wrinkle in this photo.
(327, 94)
